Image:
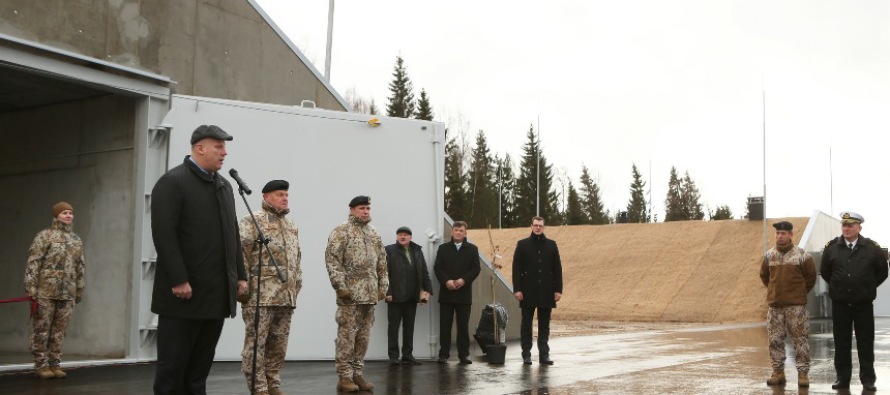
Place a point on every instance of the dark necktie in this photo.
(850, 245)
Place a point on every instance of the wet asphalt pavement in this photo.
(728, 359)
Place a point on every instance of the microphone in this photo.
(241, 184)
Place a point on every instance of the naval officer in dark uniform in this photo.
(854, 267)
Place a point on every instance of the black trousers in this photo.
(525, 331)
(185, 352)
(847, 317)
(401, 313)
(447, 311)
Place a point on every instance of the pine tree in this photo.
(721, 213)
(482, 188)
(401, 101)
(591, 203)
(574, 213)
(508, 193)
(691, 199)
(673, 203)
(372, 109)
(637, 212)
(456, 204)
(424, 111)
(526, 184)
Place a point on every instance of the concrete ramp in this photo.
(691, 271)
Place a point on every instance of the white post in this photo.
(327, 58)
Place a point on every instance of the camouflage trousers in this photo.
(793, 322)
(48, 331)
(353, 333)
(274, 330)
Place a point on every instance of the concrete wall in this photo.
(80, 152)
(214, 48)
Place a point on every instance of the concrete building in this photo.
(84, 88)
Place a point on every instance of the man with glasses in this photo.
(537, 284)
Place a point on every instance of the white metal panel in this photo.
(328, 157)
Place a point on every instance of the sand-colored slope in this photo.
(693, 271)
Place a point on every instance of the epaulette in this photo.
(875, 243)
(832, 241)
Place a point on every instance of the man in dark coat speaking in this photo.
(200, 269)
(537, 284)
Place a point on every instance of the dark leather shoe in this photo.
(410, 361)
(840, 385)
(546, 361)
(526, 360)
(869, 387)
(466, 361)
(442, 360)
(394, 362)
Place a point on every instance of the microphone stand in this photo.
(263, 241)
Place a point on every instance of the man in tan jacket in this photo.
(789, 274)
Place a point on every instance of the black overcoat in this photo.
(537, 271)
(195, 233)
(452, 264)
(853, 276)
(397, 268)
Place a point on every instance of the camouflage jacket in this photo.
(356, 261)
(285, 247)
(55, 264)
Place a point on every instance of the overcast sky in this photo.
(656, 83)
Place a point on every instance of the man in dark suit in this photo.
(409, 284)
(457, 265)
(200, 269)
(537, 284)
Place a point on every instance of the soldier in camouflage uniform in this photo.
(789, 274)
(277, 299)
(356, 264)
(55, 278)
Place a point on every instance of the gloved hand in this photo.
(243, 298)
(344, 294)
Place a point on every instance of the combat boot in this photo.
(276, 391)
(778, 377)
(45, 373)
(346, 384)
(803, 379)
(58, 372)
(361, 383)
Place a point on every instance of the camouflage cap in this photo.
(212, 131)
(849, 217)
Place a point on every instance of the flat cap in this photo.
(783, 225)
(213, 131)
(276, 185)
(404, 229)
(359, 200)
(849, 217)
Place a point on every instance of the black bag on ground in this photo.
(485, 331)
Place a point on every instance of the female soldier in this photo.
(55, 279)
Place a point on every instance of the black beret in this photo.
(359, 200)
(213, 131)
(404, 229)
(276, 185)
(783, 225)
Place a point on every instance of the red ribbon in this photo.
(23, 299)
